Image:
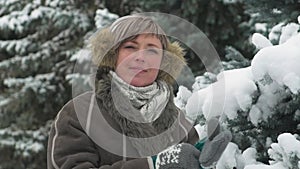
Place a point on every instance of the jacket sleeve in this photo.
(141, 163)
(191, 135)
(67, 145)
(70, 147)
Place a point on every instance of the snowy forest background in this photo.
(258, 42)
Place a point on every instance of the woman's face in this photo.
(139, 60)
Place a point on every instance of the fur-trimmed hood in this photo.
(104, 53)
(110, 101)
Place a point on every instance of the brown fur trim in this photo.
(172, 63)
(102, 45)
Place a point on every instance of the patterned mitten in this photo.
(180, 156)
(215, 144)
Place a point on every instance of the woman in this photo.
(129, 120)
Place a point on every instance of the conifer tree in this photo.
(261, 100)
(273, 12)
(37, 40)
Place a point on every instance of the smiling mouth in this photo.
(138, 69)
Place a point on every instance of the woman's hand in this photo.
(180, 156)
(215, 145)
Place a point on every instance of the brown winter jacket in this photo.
(87, 136)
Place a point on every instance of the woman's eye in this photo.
(129, 47)
(152, 51)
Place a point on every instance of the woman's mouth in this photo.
(138, 69)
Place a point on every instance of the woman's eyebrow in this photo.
(148, 44)
(152, 45)
(131, 41)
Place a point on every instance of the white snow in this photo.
(263, 166)
(239, 87)
(36, 13)
(231, 157)
(194, 104)
(8, 2)
(232, 92)
(54, 3)
(278, 63)
(230, 1)
(204, 81)
(23, 141)
(281, 153)
(5, 101)
(275, 68)
(292, 81)
(290, 144)
(288, 31)
(201, 131)
(76, 77)
(275, 32)
(15, 46)
(38, 84)
(17, 20)
(255, 115)
(35, 146)
(104, 18)
(273, 75)
(250, 156)
(260, 41)
(81, 56)
(261, 27)
(182, 96)
(276, 11)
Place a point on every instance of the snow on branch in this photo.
(25, 142)
(284, 154)
(37, 83)
(248, 100)
(20, 21)
(273, 69)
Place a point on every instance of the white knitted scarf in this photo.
(149, 100)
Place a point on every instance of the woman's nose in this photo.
(140, 56)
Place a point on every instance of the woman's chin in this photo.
(140, 82)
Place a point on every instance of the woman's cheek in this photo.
(155, 63)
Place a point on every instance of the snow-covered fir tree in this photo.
(37, 41)
(258, 102)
